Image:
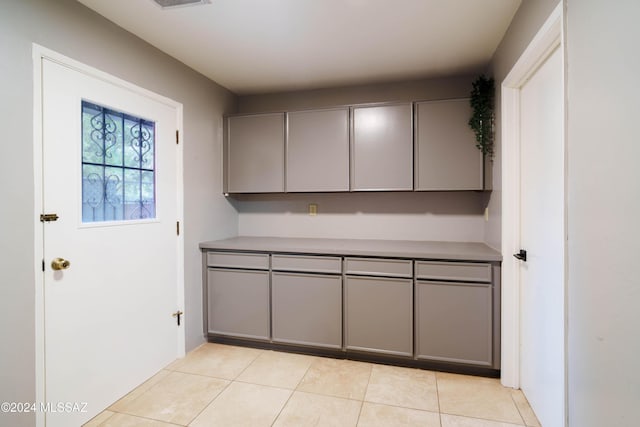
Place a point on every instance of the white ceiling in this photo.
(257, 46)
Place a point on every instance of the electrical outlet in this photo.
(486, 214)
(313, 209)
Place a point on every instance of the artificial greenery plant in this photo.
(481, 122)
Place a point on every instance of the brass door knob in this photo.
(60, 264)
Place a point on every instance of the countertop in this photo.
(461, 251)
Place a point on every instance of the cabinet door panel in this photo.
(255, 153)
(307, 309)
(446, 153)
(454, 322)
(382, 148)
(238, 303)
(379, 315)
(318, 151)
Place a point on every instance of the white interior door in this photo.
(108, 321)
(542, 310)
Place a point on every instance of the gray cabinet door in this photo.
(307, 309)
(382, 148)
(446, 157)
(238, 303)
(378, 315)
(255, 153)
(454, 322)
(318, 150)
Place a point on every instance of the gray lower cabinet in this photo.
(382, 148)
(238, 303)
(379, 315)
(254, 161)
(307, 309)
(318, 150)
(436, 311)
(446, 157)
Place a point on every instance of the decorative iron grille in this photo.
(118, 165)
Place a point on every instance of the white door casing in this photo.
(534, 314)
(104, 325)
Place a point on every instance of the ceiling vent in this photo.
(167, 4)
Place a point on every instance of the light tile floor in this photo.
(222, 385)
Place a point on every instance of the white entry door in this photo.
(110, 174)
(542, 311)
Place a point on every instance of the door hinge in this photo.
(177, 136)
(177, 315)
(177, 228)
(42, 265)
(48, 217)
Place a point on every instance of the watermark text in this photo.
(50, 407)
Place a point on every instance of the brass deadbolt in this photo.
(60, 264)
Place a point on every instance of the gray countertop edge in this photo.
(458, 251)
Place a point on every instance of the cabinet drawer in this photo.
(304, 263)
(472, 272)
(378, 267)
(238, 260)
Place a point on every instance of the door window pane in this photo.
(118, 165)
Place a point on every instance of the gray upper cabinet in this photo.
(446, 157)
(422, 146)
(382, 148)
(318, 150)
(255, 153)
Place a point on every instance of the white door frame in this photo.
(39, 53)
(548, 38)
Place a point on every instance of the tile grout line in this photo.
(290, 395)
(283, 406)
(364, 396)
(524, 422)
(144, 418)
(250, 363)
(366, 389)
(107, 419)
(211, 401)
(141, 394)
(231, 381)
(487, 419)
(305, 373)
(435, 375)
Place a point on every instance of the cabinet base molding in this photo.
(406, 362)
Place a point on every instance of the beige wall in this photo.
(412, 216)
(453, 87)
(406, 216)
(603, 193)
(71, 29)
